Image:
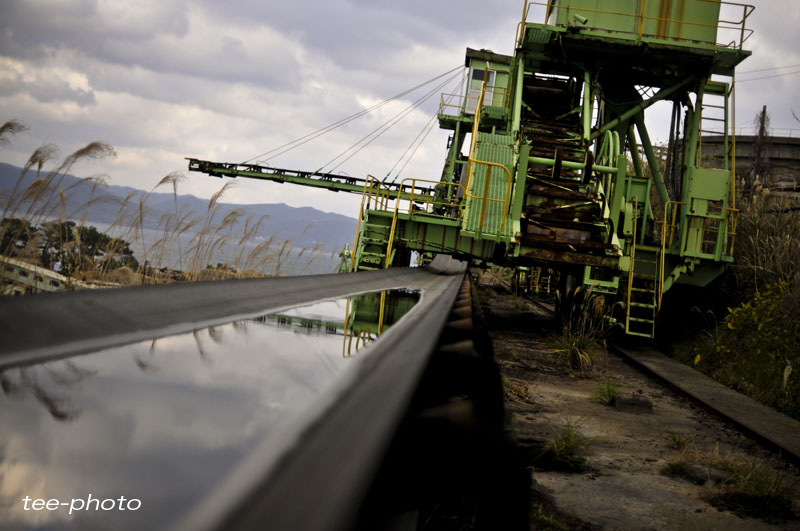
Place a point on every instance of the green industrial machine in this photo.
(550, 163)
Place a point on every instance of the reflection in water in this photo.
(165, 420)
(17, 383)
(365, 318)
(146, 365)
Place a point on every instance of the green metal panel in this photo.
(490, 148)
(708, 183)
(427, 234)
(701, 276)
(708, 191)
(617, 16)
(691, 20)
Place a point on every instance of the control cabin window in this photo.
(476, 78)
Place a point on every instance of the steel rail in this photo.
(775, 430)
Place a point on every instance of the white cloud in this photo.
(164, 80)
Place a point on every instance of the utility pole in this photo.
(760, 150)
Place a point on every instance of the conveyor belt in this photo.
(321, 470)
(321, 483)
(53, 325)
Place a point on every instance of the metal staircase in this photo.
(373, 242)
(642, 301)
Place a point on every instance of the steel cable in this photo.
(426, 129)
(385, 126)
(319, 132)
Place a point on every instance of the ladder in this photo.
(714, 121)
(372, 244)
(642, 299)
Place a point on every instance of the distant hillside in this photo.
(305, 226)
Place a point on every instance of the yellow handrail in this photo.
(380, 318)
(459, 101)
(485, 197)
(632, 266)
(674, 204)
(641, 17)
(526, 6)
(358, 223)
(474, 136)
(453, 203)
(472, 160)
(732, 214)
(345, 329)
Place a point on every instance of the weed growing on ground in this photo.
(607, 392)
(565, 452)
(679, 441)
(582, 318)
(747, 486)
(515, 388)
(755, 347)
(543, 519)
(675, 468)
(758, 491)
(519, 305)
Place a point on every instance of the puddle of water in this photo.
(164, 421)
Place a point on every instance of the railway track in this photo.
(775, 430)
(414, 419)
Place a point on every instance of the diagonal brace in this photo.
(639, 107)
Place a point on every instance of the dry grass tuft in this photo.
(45, 202)
(11, 128)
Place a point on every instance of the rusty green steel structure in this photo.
(550, 162)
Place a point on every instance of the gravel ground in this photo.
(626, 447)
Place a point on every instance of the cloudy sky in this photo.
(161, 80)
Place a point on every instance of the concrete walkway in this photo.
(777, 430)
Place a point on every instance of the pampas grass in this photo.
(45, 202)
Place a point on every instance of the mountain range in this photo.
(305, 226)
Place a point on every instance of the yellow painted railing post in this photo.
(632, 266)
(392, 231)
(380, 319)
(358, 225)
(641, 17)
(661, 264)
(346, 321)
(485, 196)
